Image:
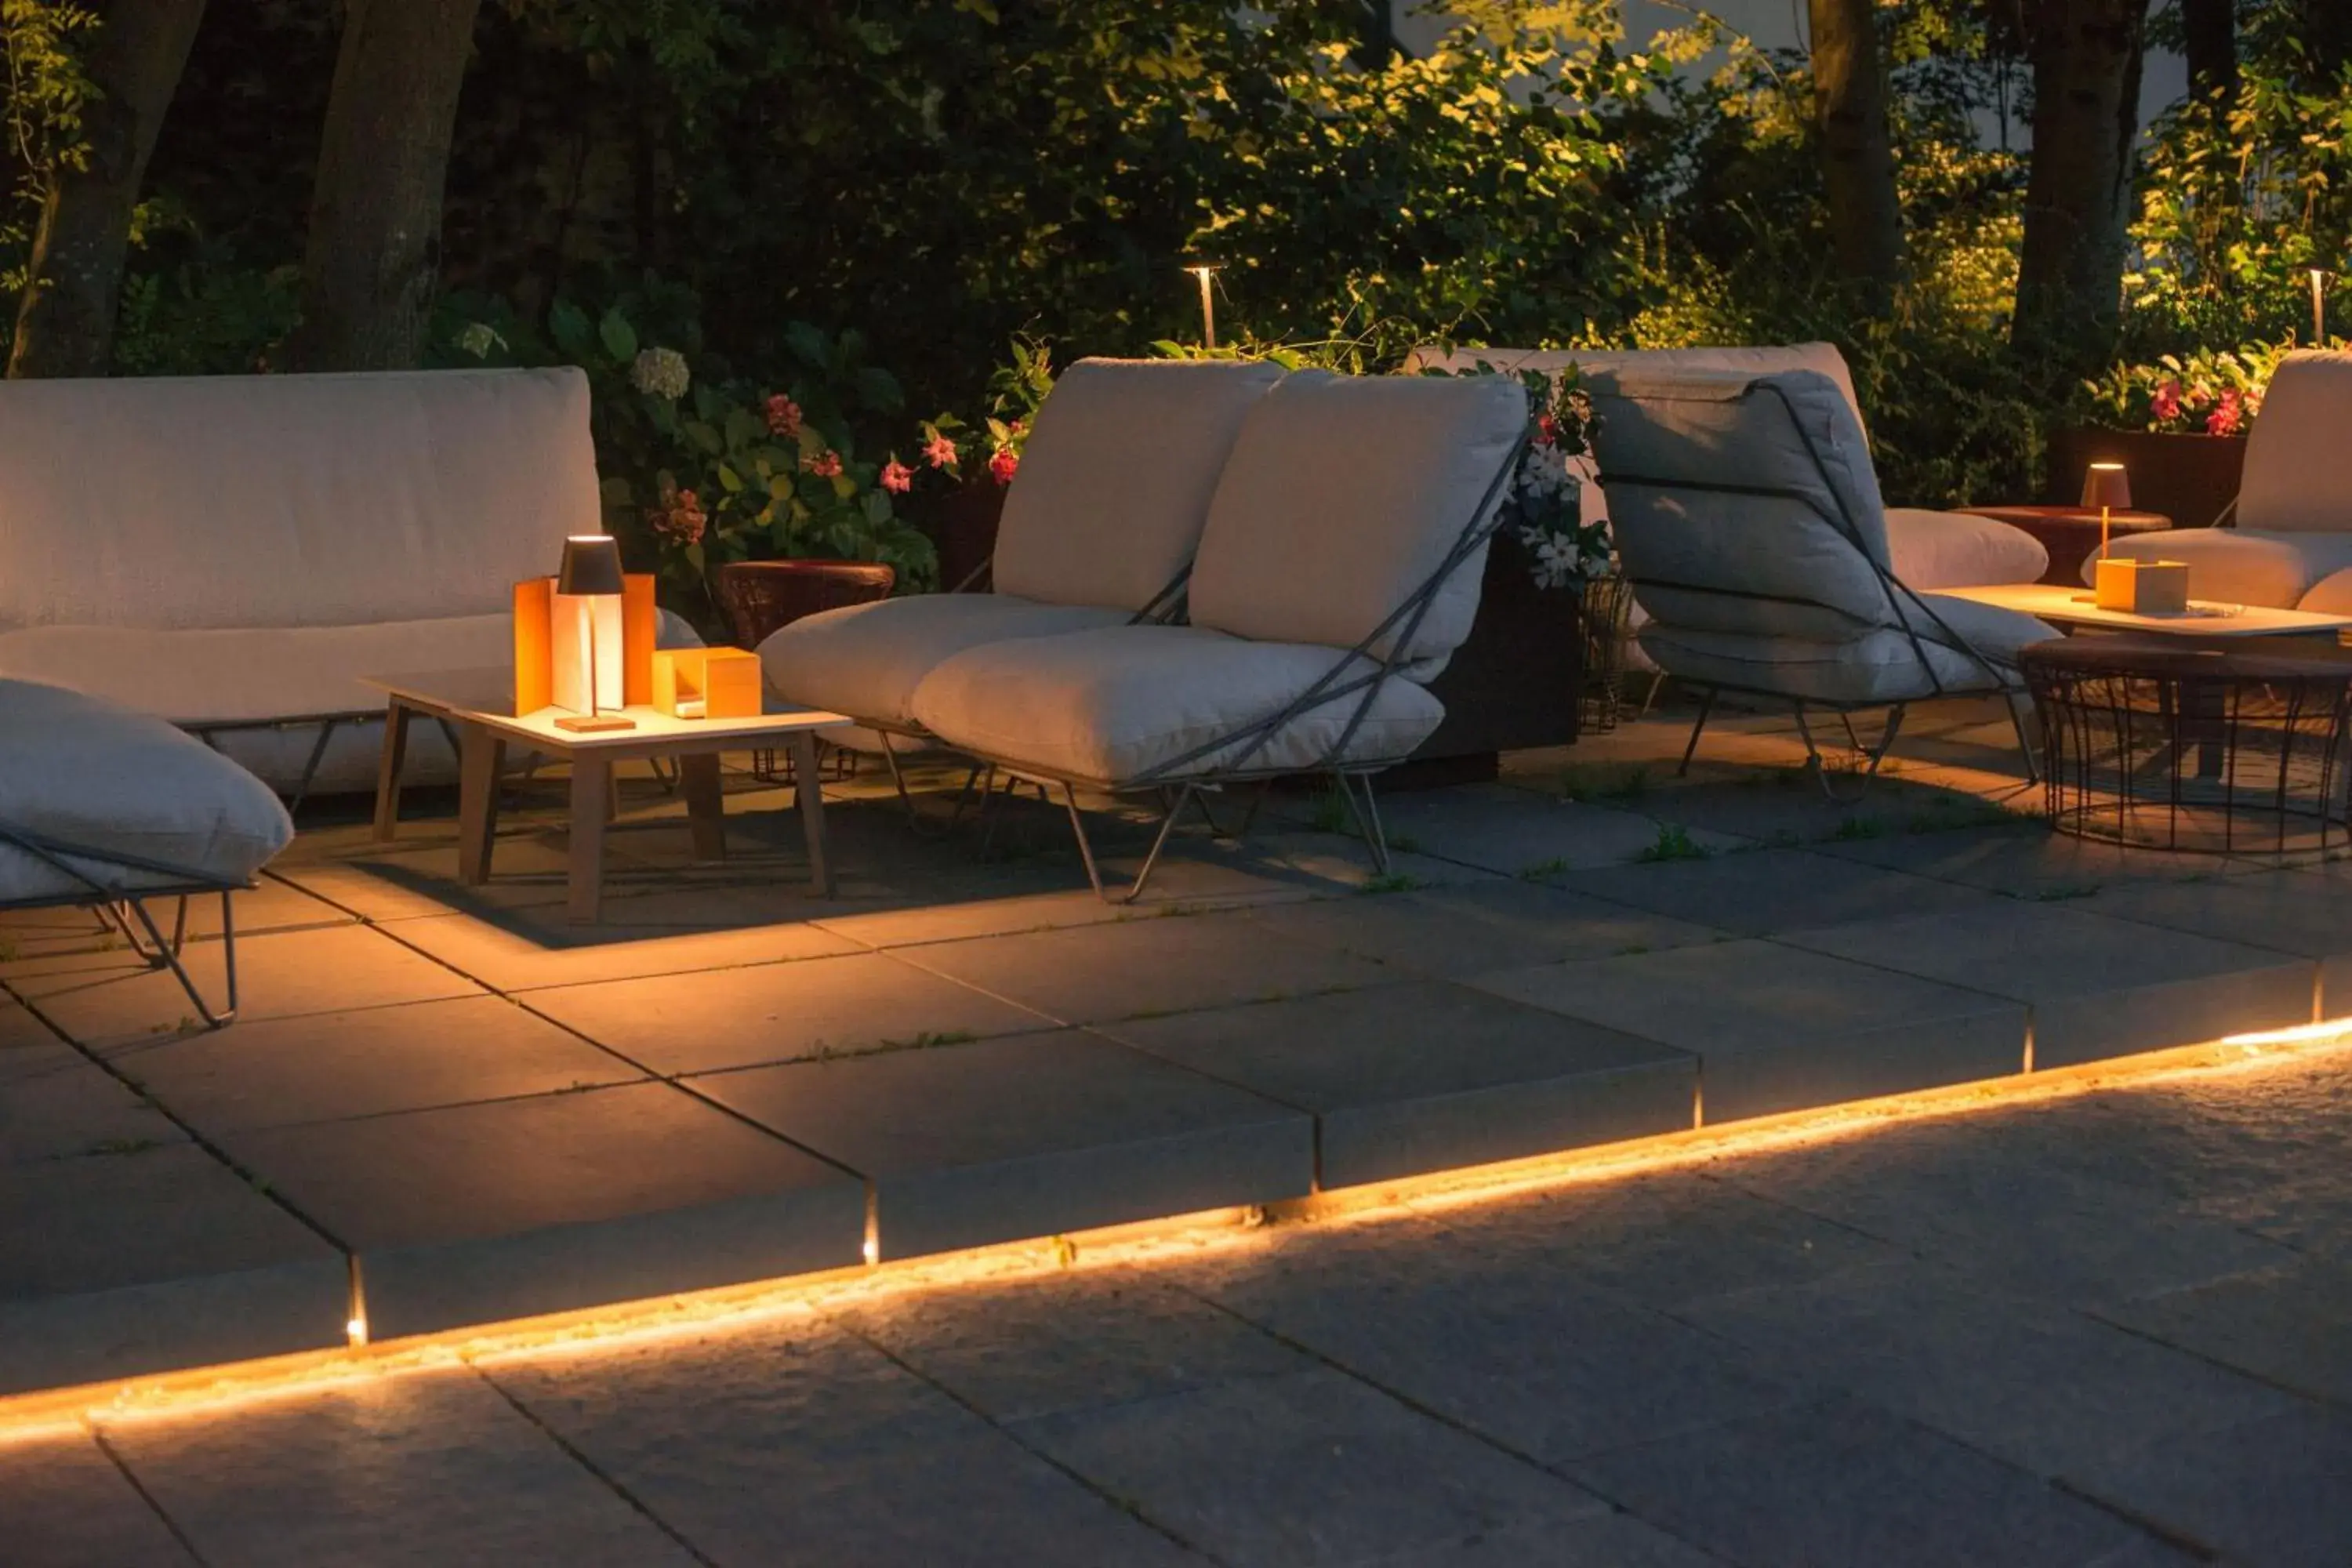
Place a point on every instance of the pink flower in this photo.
(825, 466)
(940, 452)
(897, 478)
(2165, 404)
(1546, 430)
(1004, 465)
(2228, 416)
(783, 417)
(679, 517)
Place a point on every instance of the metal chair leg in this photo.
(1134, 890)
(1368, 817)
(1705, 707)
(2020, 704)
(1874, 757)
(164, 953)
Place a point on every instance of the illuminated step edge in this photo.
(591, 1330)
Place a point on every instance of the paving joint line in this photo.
(162, 1515)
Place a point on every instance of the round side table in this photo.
(2071, 533)
(2159, 743)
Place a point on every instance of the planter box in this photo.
(1512, 686)
(2188, 479)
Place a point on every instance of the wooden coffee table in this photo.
(2073, 609)
(2071, 533)
(478, 704)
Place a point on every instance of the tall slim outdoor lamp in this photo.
(591, 573)
(2318, 309)
(2108, 488)
(1208, 308)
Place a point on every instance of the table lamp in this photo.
(2108, 488)
(2139, 587)
(591, 573)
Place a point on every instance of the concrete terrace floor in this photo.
(2110, 1329)
(478, 1113)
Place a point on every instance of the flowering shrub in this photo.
(1544, 507)
(2213, 393)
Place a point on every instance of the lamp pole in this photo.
(1208, 306)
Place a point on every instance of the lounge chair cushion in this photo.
(1115, 477)
(1342, 497)
(2238, 566)
(1931, 549)
(1808, 562)
(1106, 706)
(866, 660)
(1757, 360)
(76, 770)
(2298, 472)
(1881, 666)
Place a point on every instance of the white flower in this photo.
(660, 373)
(479, 338)
(1556, 565)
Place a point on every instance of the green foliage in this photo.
(701, 468)
(41, 113)
(1673, 843)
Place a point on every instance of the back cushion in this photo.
(1764, 360)
(1797, 563)
(1115, 477)
(2298, 477)
(286, 500)
(1343, 495)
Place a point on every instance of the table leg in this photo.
(387, 774)
(812, 806)
(592, 779)
(706, 805)
(479, 753)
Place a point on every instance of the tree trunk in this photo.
(1857, 158)
(65, 323)
(374, 243)
(2209, 31)
(2086, 67)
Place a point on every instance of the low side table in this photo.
(479, 705)
(2071, 533)
(2160, 742)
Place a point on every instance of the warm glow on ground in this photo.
(637, 1323)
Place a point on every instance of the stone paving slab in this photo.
(1877, 1490)
(1778, 1028)
(805, 1448)
(524, 953)
(774, 1013)
(1770, 892)
(1232, 1468)
(2291, 911)
(1453, 933)
(1518, 834)
(1425, 1077)
(329, 1066)
(2269, 1491)
(56, 1101)
(520, 1207)
(2097, 988)
(120, 1264)
(1027, 1135)
(63, 1502)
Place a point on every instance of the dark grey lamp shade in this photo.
(591, 565)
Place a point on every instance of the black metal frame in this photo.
(118, 907)
(2008, 680)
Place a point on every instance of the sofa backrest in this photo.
(286, 500)
(2298, 474)
(1744, 504)
(1114, 484)
(1755, 361)
(1343, 496)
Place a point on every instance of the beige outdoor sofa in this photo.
(233, 552)
(1927, 550)
(1748, 515)
(2291, 545)
(1098, 530)
(1325, 535)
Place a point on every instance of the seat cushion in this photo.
(2240, 566)
(1115, 479)
(866, 660)
(1881, 666)
(1930, 550)
(1757, 360)
(2331, 596)
(1106, 706)
(1342, 497)
(75, 770)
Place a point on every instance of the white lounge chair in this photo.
(105, 809)
(1338, 568)
(2291, 545)
(1099, 529)
(1749, 518)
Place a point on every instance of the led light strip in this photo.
(590, 1330)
